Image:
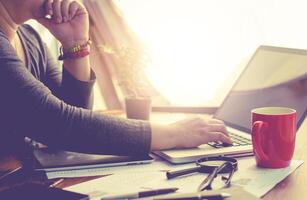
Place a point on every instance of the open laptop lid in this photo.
(274, 76)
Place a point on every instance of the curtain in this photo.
(117, 54)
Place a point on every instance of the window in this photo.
(199, 46)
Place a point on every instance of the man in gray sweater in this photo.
(53, 107)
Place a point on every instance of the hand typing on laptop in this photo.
(188, 133)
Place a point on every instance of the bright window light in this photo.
(197, 45)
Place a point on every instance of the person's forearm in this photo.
(79, 68)
(162, 137)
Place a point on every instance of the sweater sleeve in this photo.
(31, 109)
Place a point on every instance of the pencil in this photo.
(54, 184)
(11, 174)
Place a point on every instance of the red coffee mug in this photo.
(273, 136)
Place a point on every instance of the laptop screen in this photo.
(273, 77)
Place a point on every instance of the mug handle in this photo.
(258, 127)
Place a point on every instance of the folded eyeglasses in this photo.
(212, 166)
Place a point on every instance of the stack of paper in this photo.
(257, 181)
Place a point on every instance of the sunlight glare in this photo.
(188, 46)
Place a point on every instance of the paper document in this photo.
(257, 181)
(149, 167)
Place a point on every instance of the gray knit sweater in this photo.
(43, 103)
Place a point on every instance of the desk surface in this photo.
(293, 187)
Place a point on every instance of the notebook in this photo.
(54, 161)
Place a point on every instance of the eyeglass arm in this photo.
(206, 184)
(174, 174)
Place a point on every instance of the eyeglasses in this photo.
(211, 165)
(206, 165)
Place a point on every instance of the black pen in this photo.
(195, 196)
(142, 194)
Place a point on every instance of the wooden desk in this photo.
(293, 187)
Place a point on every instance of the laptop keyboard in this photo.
(236, 139)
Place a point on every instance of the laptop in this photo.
(274, 76)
